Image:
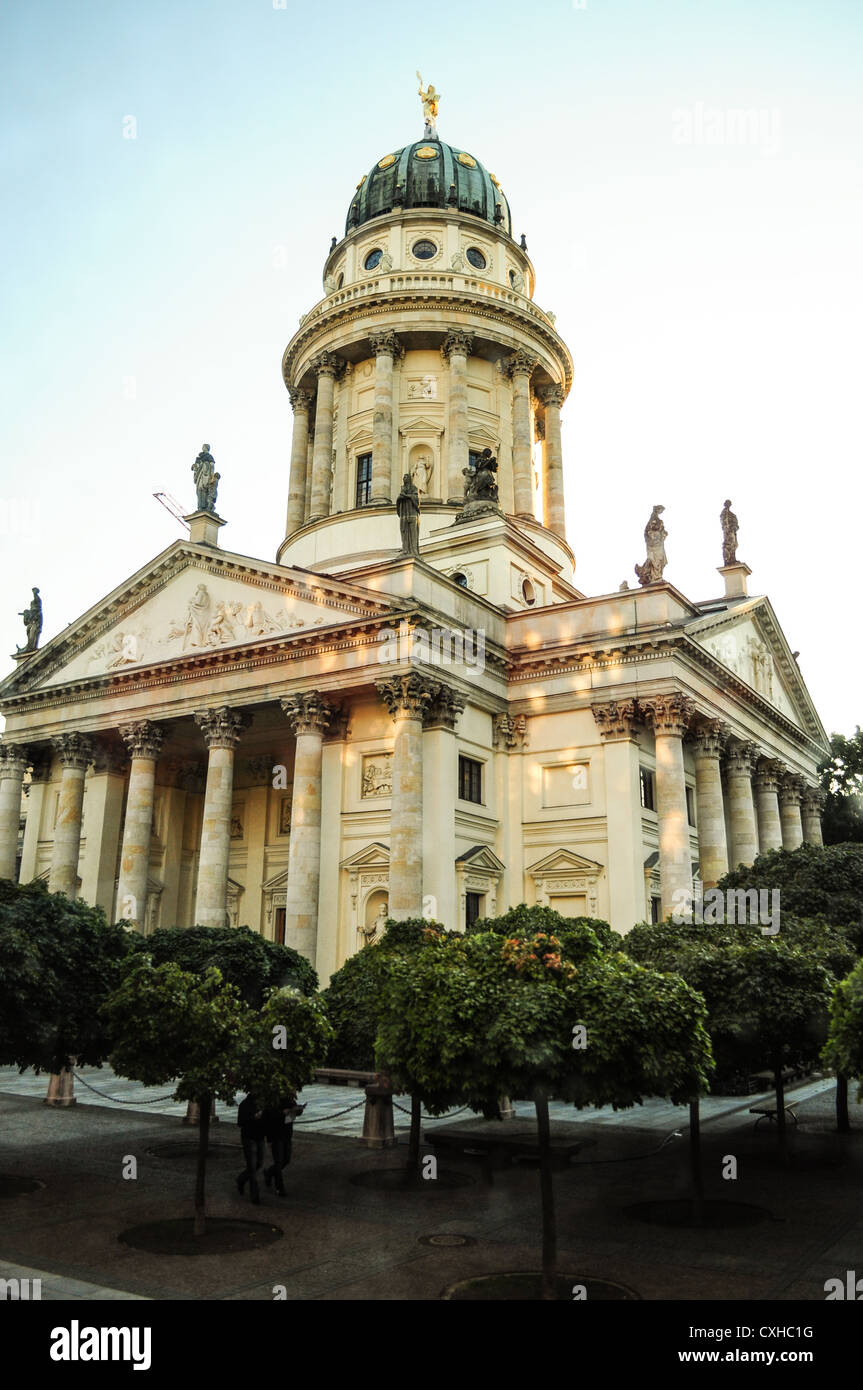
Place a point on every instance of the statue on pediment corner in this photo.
(206, 480)
(655, 536)
(729, 534)
(32, 616)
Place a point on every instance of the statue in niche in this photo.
(421, 474)
(430, 100)
(197, 629)
(654, 538)
(408, 508)
(206, 480)
(729, 534)
(374, 930)
(32, 616)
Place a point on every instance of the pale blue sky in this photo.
(711, 293)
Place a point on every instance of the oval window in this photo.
(424, 250)
(528, 592)
(460, 579)
(373, 258)
(476, 257)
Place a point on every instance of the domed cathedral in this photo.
(411, 711)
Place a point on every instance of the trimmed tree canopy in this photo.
(244, 958)
(814, 881)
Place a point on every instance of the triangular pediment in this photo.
(747, 639)
(481, 859)
(374, 856)
(194, 600)
(564, 861)
(277, 881)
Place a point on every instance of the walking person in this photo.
(279, 1131)
(250, 1118)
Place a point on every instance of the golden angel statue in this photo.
(430, 100)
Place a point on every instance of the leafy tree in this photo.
(527, 920)
(168, 1024)
(842, 781)
(59, 960)
(844, 1047)
(469, 1016)
(244, 957)
(813, 881)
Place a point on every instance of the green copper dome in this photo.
(429, 174)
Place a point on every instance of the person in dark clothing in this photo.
(279, 1130)
(251, 1121)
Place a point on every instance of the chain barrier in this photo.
(317, 1118)
(447, 1116)
(124, 1100)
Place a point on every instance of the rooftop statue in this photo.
(654, 538)
(430, 100)
(481, 482)
(33, 624)
(729, 534)
(206, 480)
(408, 508)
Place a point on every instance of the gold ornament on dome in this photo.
(494, 180)
(387, 160)
(426, 152)
(467, 159)
(362, 181)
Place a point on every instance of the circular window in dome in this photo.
(424, 250)
(387, 160)
(476, 257)
(528, 592)
(467, 160)
(373, 258)
(426, 152)
(459, 578)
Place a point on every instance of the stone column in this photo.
(301, 402)
(35, 792)
(552, 450)
(509, 738)
(14, 759)
(222, 729)
(616, 724)
(144, 742)
(669, 716)
(309, 715)
(105, 790)
(440, 793)
(327, 365)
(768, 775)
(75, 752)
(407, 698)
(520, 365)
(813, 801)
(741, 758)
(385, 347)
(456, 349)
(712, 842)
(328, 955)
(790, 797)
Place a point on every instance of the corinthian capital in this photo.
(386, 344)
(14, 759)
(300, 400)
(456, 341)
(813, 800)
(552, 396)
(521, 363)
(709, 738)
(143, 738)
(668, 714)
(411, 694)
(328, 364)
(768, 774)
(74, 750)
(791, 789)
(308, 713)
(222, 727)
(616, 720)
(445, 708)
(741, 757)
(510, 731)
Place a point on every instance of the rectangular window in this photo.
(469, 779)
(690, 805)
(655, 909)
(472, 908)
(364, 479)
(279, 936)
(648, 797)
(473, 458)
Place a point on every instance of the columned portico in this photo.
(616, 722)
(456, 349)
(790, 797)
(327, 365)
(309, 715)
(386, 348)
(712, 841)
(75, 752)
(301, 402)
(13, 764)
(768, 775)
(813, 801)
(222, 728)
(40, 781)
(407, 698)
(520, 366)
(669, 716)
(741, 759)
(144, 742)
(554, 516)
(105, 789)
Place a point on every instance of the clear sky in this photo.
(705, 272)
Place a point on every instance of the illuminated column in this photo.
(144, 742)
(813, 801)
(669, 716)
(309, 715)
(75, 752)
(407, 698)
(456, 349)
(301, 402)
(14, 759)
(520, 365)
(712, 842)
(385, 347)
(741, 758)
(790, 797)
(327, 365)
(552, 452)
(616, 723)
(440, 793)
(768, 775)
(222, 729)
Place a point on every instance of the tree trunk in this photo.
(200, 1177)
(781, 1133)
(549, 1231)
(843, 1121)
(414, 1141)
(695, 1164)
